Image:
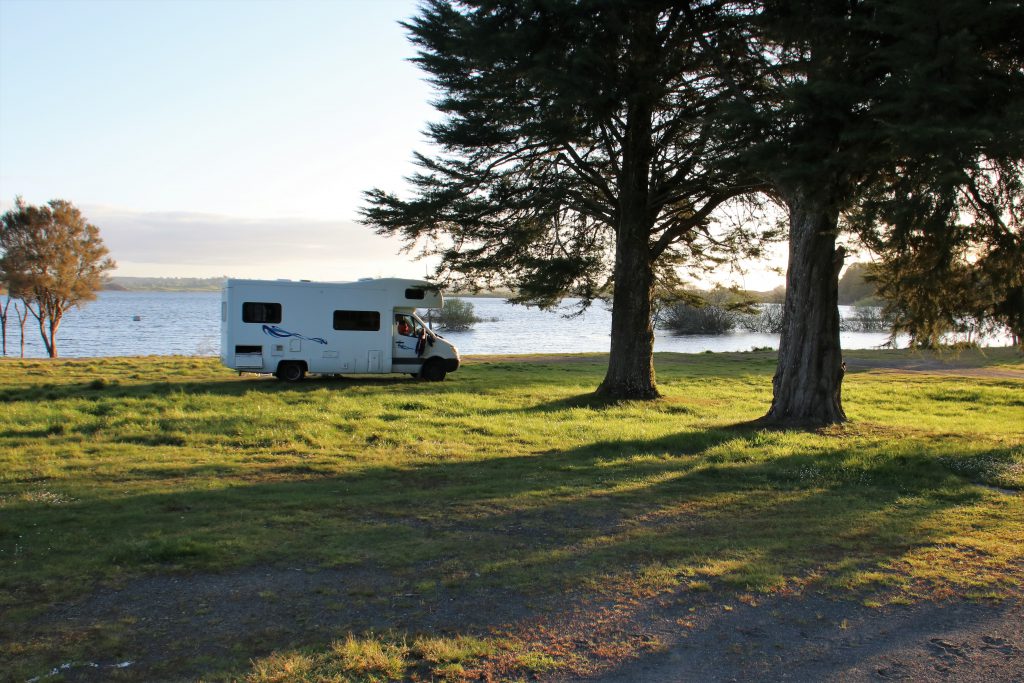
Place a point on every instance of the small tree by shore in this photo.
(53, 260)
(767, 320)
(686, 318)
(866, 319)
(456, 316)
(718, 311)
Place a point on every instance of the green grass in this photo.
(385, 658)
(508, 474)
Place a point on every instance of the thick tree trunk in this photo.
(808, 380)
(631, 361)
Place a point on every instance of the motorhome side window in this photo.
(258, 312)
(357, 321)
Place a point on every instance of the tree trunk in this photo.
(631, 360)
(3, 322)
(54, 326)
(808, 380)
(46, 318)
(45, 338)
(22, 319)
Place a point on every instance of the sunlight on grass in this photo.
(376, 658)
(452, 650)
(508, 474)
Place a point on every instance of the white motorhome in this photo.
(289, 328)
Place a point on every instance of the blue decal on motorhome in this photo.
(275, 331)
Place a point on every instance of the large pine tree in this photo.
(950, 249)
(844, 96)
(577, 153)
(587, 144)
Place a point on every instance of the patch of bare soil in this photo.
(823, 638)
(951, 365)
(966, 366)
(181, 625)
(176, 623)
(534, 358)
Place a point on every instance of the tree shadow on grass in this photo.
(817, 637)
(645, 491)
(96, 390)
(588, 401)
(616, 516)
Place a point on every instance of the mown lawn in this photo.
(506, 475)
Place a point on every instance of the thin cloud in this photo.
(195, 238)
(276, 247)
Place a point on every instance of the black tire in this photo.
(433, 370)
(290, 372)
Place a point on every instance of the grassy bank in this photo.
(505, 477)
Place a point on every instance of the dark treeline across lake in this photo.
(188, 323)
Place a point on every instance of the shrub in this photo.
(866, 319)
(768, 319)
(684, 318)
(457, 315)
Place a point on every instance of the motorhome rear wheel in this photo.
(290, 372)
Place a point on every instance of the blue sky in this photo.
(218, 122)
(217, 137)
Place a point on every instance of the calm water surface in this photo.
(188, 323)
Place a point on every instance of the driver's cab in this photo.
(418, 350)
(407, 326)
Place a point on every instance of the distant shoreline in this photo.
(164, 284)
(214, 284)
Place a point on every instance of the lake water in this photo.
(188, 323)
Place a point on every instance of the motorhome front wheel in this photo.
(433, 370)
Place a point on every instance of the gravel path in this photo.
(685, 636)
(823, 639)
(933, 367)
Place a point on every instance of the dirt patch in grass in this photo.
(215, 626)
(191, 625)
(974, 363)
(818, 637)
(533, 358)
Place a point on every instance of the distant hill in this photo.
(213, 284)
(855, 289)
(124, 284)
(165, 284)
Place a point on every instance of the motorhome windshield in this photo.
(420, 325)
